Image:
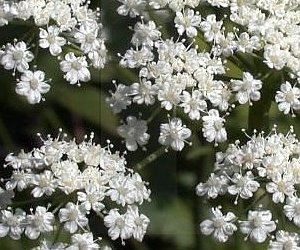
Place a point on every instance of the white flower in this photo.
(258, 226)
(16, 57)
(76, 68)
(38, 223)
(32, 85)
(213, 127)
(92, 198)
(288, 98)
(292, 209)
(145, 33)
(83, 241)
(214, 186)
(211, 28)
(12, 224)
(118, 225)
(281, 186)
(174, 134)
(144, 92)
(275, 57)
(50, 39)
(187, 21)
(140, 222)
(45, 184)
(193, 104)
(134, 133)
(131, 7)
(220, 225)
(247, 89)
(169, 95)
(49, 245)
(120, 99)
(120, 190)
(140, 191)
(285, 241)
(87, 36)
(73, 216)
(244, 186)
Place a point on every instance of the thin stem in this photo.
(150, 158)
(258, 117)
(154, 114)
(258, 199)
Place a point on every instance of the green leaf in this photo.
(233, 70)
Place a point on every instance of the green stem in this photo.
(154, 114)
(258, 117)
(150, 158)
(258, 199)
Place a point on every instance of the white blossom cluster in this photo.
(265, 167)
(178, 75)
(181, 76)
(79, 180)
(70, 30)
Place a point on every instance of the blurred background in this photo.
(175, 211)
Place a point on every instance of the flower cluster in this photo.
(70, 30)
(265, 166)
(179, 74)
(80, 180)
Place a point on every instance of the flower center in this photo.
(18, 55)
(120, 223)
(257, 222)
(219, 222)
(34, 83)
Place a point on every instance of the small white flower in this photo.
(38, 223)
(211, 28)
(87, 36)
(258, 226)
(244, 186)
(285, 241)
(292, 209)
(73, 216)
(220, 225)
(92, 198)
(134, 133)
(187, 22)
(169, 95)
(45, 184)
(247, 89)
(144, 92)
(83, 241)
(76, 68)
(174, 134)
(16, 57)
(140, 222)
(50, 39)
(275, 57)
(120, 190)
(288, 98)
(214, 186)
(131, 7)
(118, 225)
(12, 224)
(120, 99)
(281, 186)
(193, 104)
(32, 85)
(213, 127)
